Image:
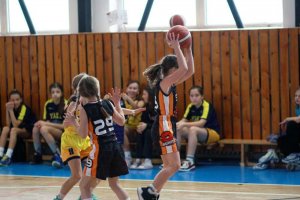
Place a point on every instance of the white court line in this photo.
(147, 180)
(167, 190)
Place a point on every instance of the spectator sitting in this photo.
(287, 144)
(199, 124)
(51, 127)
(19, 122)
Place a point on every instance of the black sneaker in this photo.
(36, 159)
(147, 193)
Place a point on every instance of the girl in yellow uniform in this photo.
(74, 148)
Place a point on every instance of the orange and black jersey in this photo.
(165, 104)
(100, 127)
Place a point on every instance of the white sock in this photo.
(62, 196)
(88, 199)
(154, 189)
(190, 158)
(9, 152)
(148, 161)
(1, 151)
(127, 154)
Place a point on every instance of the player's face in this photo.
(195, 97)
(133, 90)
(297, 97)
(56, 94)
(16, 99)
(145, 96)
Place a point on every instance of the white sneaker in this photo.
(136, 164)
(187, 166)
(270, 156)
(145, 165)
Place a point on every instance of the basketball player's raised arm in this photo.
(118, 114)
(190, 63)
(173, 78)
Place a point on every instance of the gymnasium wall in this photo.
(250, 75)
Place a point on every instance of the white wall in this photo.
(289, 19)
(99, 18)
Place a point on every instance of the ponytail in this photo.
(153, 74)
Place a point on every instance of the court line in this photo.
(165, 190)
(172, 181)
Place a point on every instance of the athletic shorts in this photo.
(73, 146)
(164, 134)
(212, 136)
(106, 161)
(119, 130)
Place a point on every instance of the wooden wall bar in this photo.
(250, 75)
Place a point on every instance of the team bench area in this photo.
(244, 148)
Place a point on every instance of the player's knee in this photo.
(76, 177)
(14, 132)
(194, 129)
(44, 130)
(174, 167)
(5, 129)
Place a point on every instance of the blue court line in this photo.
(204, 173)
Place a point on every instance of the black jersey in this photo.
(51, 112)
(100, 127)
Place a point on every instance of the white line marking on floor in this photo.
(166, 190)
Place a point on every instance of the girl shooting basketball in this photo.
(163, 77)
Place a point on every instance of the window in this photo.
(254, 12)
(46, 15)
(160, 13)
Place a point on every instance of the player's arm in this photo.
(177, 75)
(118, 115)
(8, 120)
(190, 63)
(201, 123)
(54, 125)
(82, 128)
(16, 122)
(133, 112)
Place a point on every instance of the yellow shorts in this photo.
(73, 145)
(212, 136)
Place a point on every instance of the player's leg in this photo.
(114, 184)
(37, 156)
(87, 184)
(181, 134)
(76, 174)
(3, 138)
(14, 133)
(48, 133)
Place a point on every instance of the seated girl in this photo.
(51, 127)
(19, 123)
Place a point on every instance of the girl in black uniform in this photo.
(106, 159)
(164, 76)
(19, 122)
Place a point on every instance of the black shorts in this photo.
(163, 134)
(106, 162)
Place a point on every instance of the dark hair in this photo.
(197, 87)
(89, 87)
(15, 91)
(151, 100)
(154, 72)
(61, 104)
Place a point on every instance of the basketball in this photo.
(185, 39)
(176, 20)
